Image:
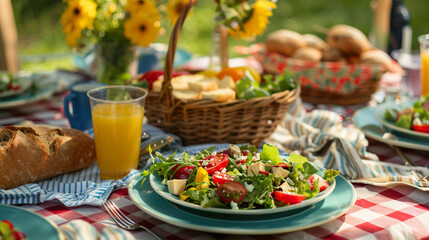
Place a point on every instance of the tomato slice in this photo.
(288, 197)
(264, 172)
(284, 165)
(323, 184)
(421, 128)
(216, 163)
(182, 172)
(221, 178)
(231, 191)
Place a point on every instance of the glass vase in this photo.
(219, 48)
(116, 63)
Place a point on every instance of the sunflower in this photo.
(80, 14)
(174, 8)
(141, 29)
(143, 6)
(255, 25)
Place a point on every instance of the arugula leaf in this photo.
(271, 153)
(309, 169)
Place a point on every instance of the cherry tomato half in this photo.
(421, 128)
(217, 163)
(221, 178)
(8, 223)
(288, 197)
(183, 171)
(231, 191)
(323, 184)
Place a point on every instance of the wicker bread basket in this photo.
(209, 121)
(328, 82)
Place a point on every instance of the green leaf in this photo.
(330, 174)
(404, 121)
(271, 153)
(295, 158)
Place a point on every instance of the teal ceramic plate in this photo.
(28, 97)
(162, 190)
(365, 119)
(24, 83)
(379, 115)
(33, 225)
(335, 205)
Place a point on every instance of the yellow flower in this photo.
(141, 29)
(143, 6)
(73, 36)
(80, 14)
(174, 8)
(262, 9)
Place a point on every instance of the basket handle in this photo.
(166, 96)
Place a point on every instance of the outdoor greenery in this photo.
(40, 33)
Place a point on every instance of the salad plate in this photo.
(333, 206)
(162, 190)
(365, 120)
(32, 224)
(21, 83)
(379, 115)
(28, 97)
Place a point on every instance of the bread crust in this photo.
(33, 153)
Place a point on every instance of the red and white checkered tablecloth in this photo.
(397, 212)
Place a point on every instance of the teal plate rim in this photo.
(335, 205)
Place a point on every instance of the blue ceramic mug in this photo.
(79, 115)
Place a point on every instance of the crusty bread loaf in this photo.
(315, 42)
(36, 152)
(307, 53)
(376, 56)
(284, 41)
(349, 40)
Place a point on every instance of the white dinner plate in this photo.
(379, 115)
(162, 190)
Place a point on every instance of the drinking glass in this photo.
(117, 115)
(424, 69)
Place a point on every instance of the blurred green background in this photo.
(42, 44)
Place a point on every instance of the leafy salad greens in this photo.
(241, 177)
(415, 118)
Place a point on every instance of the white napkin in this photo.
(321, 137)
(81, 230)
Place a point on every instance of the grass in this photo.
(40, 31)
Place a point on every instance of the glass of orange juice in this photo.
(117, 116)
(424, 69)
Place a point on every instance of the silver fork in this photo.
(123, 221)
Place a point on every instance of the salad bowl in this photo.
(162, 190)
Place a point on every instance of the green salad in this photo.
(414, 118)
(241, 177)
